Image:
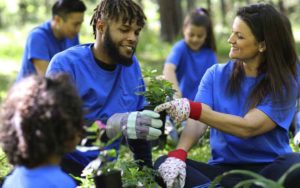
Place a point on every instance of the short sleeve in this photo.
(56, 66)
(176, 54)
(281, 113)
(38, 47)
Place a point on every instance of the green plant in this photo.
(134, 176)
(158, 90)
(256, 179)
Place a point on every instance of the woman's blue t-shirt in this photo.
(227, 148)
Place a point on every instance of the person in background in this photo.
(51, 37)
(191, 56)
(249, 104)
(40, 120)
(189, 59)
(107, 75)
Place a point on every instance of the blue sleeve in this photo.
(205, 90)
(56, 65)
(37, 46)
(175, 55)
(281, 113)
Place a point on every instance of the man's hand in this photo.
(135, 125)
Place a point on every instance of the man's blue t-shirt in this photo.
(230, 149)
(190, 66)
(103, 92)
(42, 44)
(44, 176)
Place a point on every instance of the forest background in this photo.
(164, 23)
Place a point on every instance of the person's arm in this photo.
(170, 74)
(191, 134)
(254, 123)
(40, 66)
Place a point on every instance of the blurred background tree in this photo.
(170, 12)
(18, 17)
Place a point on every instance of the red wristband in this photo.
(195, 111)
(179, 154)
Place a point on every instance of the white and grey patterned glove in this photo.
(173, 172)
(135, 125)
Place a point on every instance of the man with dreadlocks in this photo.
(107, 75)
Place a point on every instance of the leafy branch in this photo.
(158, 90)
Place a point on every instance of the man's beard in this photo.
(113, 51)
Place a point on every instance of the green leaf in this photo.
(291, 169)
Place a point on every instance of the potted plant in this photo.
(158, 91)
(101, 172)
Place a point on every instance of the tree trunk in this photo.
(170, 19)
(48, 5)
(209, 6)
(140, 2)
(23, 12)
(281, 6)
(223, 12)
(190, 5)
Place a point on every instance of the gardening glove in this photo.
(173, 170)
(181, 109)
(135, 125)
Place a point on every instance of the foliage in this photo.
(134, 176)
(158, 90)
(5, 167)
(256, 179)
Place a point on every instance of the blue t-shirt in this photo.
(190, 66)
(103, 92)
(230, 149)
(44, 176)
(42, 44)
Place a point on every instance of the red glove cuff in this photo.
(179, 154)
(195, 111)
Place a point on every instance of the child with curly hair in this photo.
(40, 120)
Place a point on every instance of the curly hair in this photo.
(38, 118)
(128, 10)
